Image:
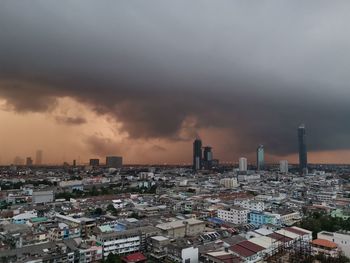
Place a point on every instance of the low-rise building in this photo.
(182, 228)
(324, 247)
(42, 197)
(253, 205)
(236, 215)
(156, 246)
(342, 239)
(181, 252)
(125, 242)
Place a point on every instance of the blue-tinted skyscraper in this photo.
(197, 154)
(260, 161)
(302, 149)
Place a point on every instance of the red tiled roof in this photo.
(136, 257)
(324, 243)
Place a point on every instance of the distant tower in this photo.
(18, 161)
(197, 154)
(114, 161)
(260, 162)
(302, 149)
(284, 166)
(208, 157)
(39, 157)
(243, 166)
(29, 161)
(94, 162)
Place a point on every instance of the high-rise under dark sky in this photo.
(208, 157)
(302, 149)
(260, 162)
(197, 154)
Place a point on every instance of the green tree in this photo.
(98, 211)
(112, 209)
(112, 258)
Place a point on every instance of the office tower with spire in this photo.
(302, 149)
(197, 154)
(260, 162)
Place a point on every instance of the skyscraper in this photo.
(197, 154)
(208, 157)
(260, 162)
(243, 164)
(114, 161)
(39, 157)
(94, 162)
(302, 149)
(29, 161)
(284, 166)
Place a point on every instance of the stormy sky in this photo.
(144, 78)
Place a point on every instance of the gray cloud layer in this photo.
(254, 67)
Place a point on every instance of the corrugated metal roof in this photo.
(279, 237)
(302, 230)
(287, 233)
(264, 241)
(251, 246)
(241, 251)
(296, 231)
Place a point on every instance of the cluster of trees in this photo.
(317, 222)
(81, 194)
(112, 258)
(112, 210)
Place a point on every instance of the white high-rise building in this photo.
(284, 166)
(243, 164)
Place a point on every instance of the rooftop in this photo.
(324, 243)
(136, 257)
(179, 223)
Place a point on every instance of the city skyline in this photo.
(142, 80)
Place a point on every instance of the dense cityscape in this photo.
(205, 213)
(174, 131)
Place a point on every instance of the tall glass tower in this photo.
(197, 154)
(302, 149)
(260, 161)
(208, 157)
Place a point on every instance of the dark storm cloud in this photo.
(70, 120)
(256, 68)
(102, 146)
